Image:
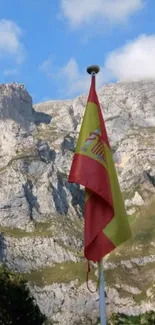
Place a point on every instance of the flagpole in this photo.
(93, 70)
(102, 295)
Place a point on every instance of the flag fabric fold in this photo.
(105, 221)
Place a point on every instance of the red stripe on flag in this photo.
(94, 99)
(92, 175)
(97, 215)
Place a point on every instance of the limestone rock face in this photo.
(67, 303)
(41, 214)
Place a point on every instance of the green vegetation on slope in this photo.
(143, 241)
(121, 319)
(60, 273)
(48, 229)
(17, 307)
(50, 134)
(42, 229)
(140, 277)
(135, 260)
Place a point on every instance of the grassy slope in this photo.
(60, 273)
(143, 230)
(141, 245)
(48, 229)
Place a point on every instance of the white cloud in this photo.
(10, 72)
(74, 81)
(46, 67)
(133, 62)
(69, 79)
(80, 12)
(10, 40)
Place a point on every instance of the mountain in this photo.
(41, 214)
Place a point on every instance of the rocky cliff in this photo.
(41, 223)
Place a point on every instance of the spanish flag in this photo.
(106, 223)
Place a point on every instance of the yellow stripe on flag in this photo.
(118, 229)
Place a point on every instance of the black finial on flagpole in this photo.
(93, 68)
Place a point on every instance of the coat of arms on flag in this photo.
(94, 144)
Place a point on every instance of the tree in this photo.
(17, 306)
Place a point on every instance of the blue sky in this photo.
(47, 44)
